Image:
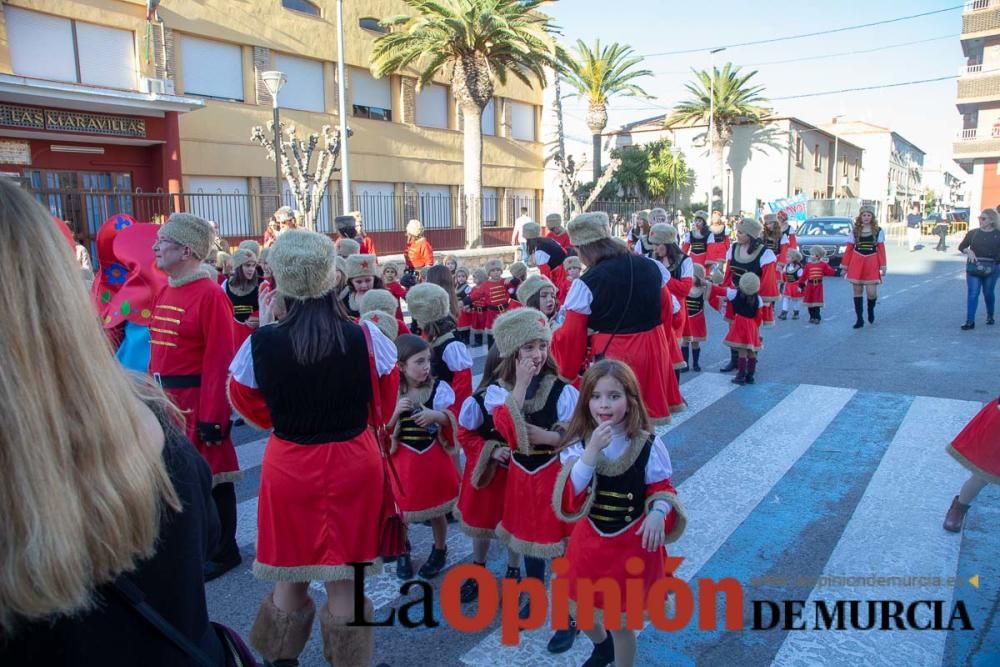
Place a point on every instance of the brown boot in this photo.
(279, 635)
(346, 646)
(956, 516)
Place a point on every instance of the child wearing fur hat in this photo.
(695, 326)
(224, 265)
(390, 282)
(617, 474)
(518, 272)
(475, 301)
(484, 480)
(492, 296)
(418, 252)
(663, 238)
(744, 329)
(547, 253)
(451, 263)
(467, 317)
(430, 307)
(423, 442)
(791, 290)
(383, 301)
(555, 231)
(539, 293)
(348, 247)
(573, 268)
(528, 402)
(242, 287)
(812, 282)
(865, 263)
(698, 240)
(788, 235)
(360, 278)
(636, 237)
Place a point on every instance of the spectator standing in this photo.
(517, 237)
(982, 251)
(913, 221)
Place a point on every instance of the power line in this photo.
(879, 87)
(803, 35)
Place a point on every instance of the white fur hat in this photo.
(531, 230)
(867, 209)
(385, 322)
(572, 262)
(701, 213)
(662, 232)
(428, 303)
(817, 251)
(303, 264)
(191, 232)
(242, 256)
(378, 299)
(519, 270)
(657, 212)
(414, 228)
(794, 256)
(359, 266)
(251, 245)
(588, 228)
(494, 265)
(553, 220)
(750, 227)
(347, 247)
(517, 327)
(749, 283)
(532, 286)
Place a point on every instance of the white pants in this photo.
(795, 303)
(912, 237)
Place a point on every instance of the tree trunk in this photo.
(715, 198)
(597, 156)
(473, 177)
(597, 120)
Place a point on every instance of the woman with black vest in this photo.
(548, 254)
(315, 378)
(621, 298)
(241, 287)
(697, 241)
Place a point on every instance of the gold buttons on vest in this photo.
(629, 496)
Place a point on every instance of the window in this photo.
(377, 203)
(857, 169)
(817, 159)
(432, 107)
(844, 160)
(304, 88)
(51, 47)
(489, 209)
(301, 6)
(489, 118)
(798, 191)
(522, 121)
(369, 23)
(212, 69)
(370, 97)
(435, 206)
(223, 199)
(521, 199)
(798, 151)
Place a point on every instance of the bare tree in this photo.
(307, 187)
(569, 181)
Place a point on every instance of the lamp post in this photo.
(711, 125)
(274, 80)
(836, 141)
(345, 171)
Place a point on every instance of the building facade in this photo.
(949, 184)
(977, 146)
(167, 104)
(780, 157)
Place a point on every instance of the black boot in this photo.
(489, 340)
(731, 366)
(603, 653)
(686, 351)
(819, 315)
(695, 356)
(858, 311)
(434, 564)
(741, 375)
(228, 555)
(751, 369)
(871, 311)
(470, 588)
(562, 640)
(404, 566)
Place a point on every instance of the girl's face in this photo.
(547, 301)
(266, 268)
(609, 402)
(537, 351)
(573, 273)
(249, 270)
(228, 267)
(452, 266)
(742, 238)
(866, 218)
(660, 250)
(389, 276)
(461, 278)
(417, 368)
(362, 284)
(495, 274)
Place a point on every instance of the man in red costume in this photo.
(191, 339)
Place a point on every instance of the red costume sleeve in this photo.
(666, 307)
(716, 293)
(880, 250)
(680, 287)
(569, 344)
(848, 254)
(685, 247)
(573, 505)
(505, 426)
(367, 246)
(675, 521)
(215, 317)
(829, 270)
(546, 271)
(461, 384)
(249, 404)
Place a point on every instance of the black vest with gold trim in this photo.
(791, 272)
(698, 245)
(738, 267)
(620, 499)
(439, 368)
(695, 304)
(414, 436)
(243, 304)
(544, 417)
(865, 244)
(487, 430)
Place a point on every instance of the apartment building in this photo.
(98, 96)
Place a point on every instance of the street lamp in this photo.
(345, 172)
(273, 81)
(711, 124)
(836, 141)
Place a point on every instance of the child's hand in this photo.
(652, 530)
(501, 454)
(403, 405)
(540, 436)
(600, 438)
(265, 305)
(524, 371)
(425, 418)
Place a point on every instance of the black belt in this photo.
(342, 435)
(815, 281)
(177, 381)
(498, 309)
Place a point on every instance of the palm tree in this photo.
(598, 74)
(479, 43)
(736, 100)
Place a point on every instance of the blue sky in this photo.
(925, 113)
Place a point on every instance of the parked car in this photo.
(829, 232)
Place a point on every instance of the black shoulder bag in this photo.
(982, 267)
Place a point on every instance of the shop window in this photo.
(51, 47)
(301, 6)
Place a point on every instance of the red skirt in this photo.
(977, 447)
(221, 457)
(744, 334)
(864, 269)
(240, 333)
(594, 556)
(695, 328)
(318, 509)
(530, 525)
(480, 509)
(792, 290)
(429, 480)
(673, 343)
(699, 259)
(812, 296)
(767, 314)
(489, 317)
(679, 322)
(467, 321)
(648, 354)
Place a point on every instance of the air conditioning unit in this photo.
(159, 86)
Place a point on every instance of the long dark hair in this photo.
(490, 369)
(409, 345)
(316, 327)
(674, 253)
(440, 275)
(594, 253)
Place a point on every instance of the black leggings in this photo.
(224, 496)
(534, 567)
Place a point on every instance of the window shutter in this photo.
(41, 45)
(304, 88)
(213, 69)
(107, 56)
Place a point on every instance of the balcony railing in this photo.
(970, 69)
(977, 5)
(982, 17)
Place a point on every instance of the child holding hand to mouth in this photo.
(616, 475)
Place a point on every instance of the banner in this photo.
(795, 207)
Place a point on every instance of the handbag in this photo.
(392, 531)
(237, 652)
(981, 268)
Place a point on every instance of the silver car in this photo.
(829, 232)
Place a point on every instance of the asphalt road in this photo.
(832, 461)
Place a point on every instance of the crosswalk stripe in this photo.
(718, 497)
(251, 454)
(699, 393)
(896, 538)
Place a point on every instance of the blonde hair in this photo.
(81, 485)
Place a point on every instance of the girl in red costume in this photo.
(617, 309)
(697, 241)
(484, 482)
(310, 378)
(528, 403)
(492, 297)
(539, 293)
(695, 327)
(744, 329)
(791, 291)
(865, 262)
(977, 448)
(663, 238)
(788, 235)
(617, 475)
(811, 283)
(423, 443)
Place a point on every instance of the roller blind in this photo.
(522, 120)
(304, 87)
(213, 69)
(368, 91)
(40, 45)
(377, 203)
(432, 107)
(107, 56)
